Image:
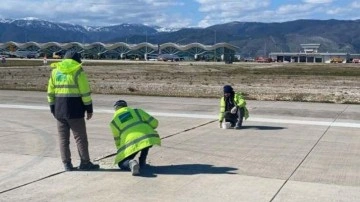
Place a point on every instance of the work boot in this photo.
(134, 167)
(237, 126)
(68, 166)
(88, 166)
(232, 124)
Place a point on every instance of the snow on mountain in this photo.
(7, 21)
(31, 22)
(35, 22)
(42, 31)
(164, 29)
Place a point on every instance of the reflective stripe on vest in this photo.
(124, 147)
(65, 86)
(68, 87)
(149, 120)
(117, 127)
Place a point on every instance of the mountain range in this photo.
(252, 38)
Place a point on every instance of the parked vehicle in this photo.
(168, 57)
(356, 60)
(248, 59)
(336, 60)
(32, 55)
(56, 55)
(24, 54)
(263, 60)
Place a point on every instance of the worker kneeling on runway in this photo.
(134, 132)
(232, 109)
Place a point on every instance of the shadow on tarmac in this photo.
(262, 127)
(184, 169)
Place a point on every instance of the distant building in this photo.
(97, 50)
(310, 54)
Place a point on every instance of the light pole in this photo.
(146, 36)
(214, 37)
(146, 51)
(214, 45)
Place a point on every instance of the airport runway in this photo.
(287, 151)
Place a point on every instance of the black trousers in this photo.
(124, 164)
(236, 118)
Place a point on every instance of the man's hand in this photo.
(233, 110)
(88, 115)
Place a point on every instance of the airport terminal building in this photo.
(310, 54)
(142, 51)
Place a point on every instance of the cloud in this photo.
(96, 13)
(291, 9)
(215, 11)
(337, 11)
(317, 1)
(177, 13)
(355, 4)
(208, 6)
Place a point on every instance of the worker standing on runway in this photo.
(134, 132)
(69, 99)
(3, 60)
(232, 108)
(45, 60)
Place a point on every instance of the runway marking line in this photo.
(202, 116)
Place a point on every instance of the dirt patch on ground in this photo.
(338, 83)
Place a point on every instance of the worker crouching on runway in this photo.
(134, 132)
(232, 108)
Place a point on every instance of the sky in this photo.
(176, 13)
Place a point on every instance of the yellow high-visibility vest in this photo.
(238, 100)
(68, 80)
(133, 130)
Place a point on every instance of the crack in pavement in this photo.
(110, 155)
(22, 185)
(47, 139)
(177, 133)
(306, 156)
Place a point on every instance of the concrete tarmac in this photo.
(286, 151)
